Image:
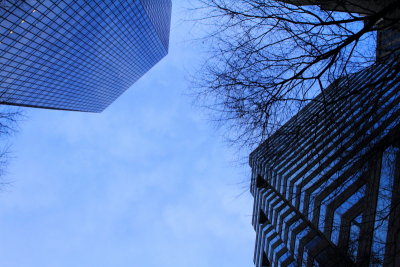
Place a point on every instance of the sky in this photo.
(148, 182)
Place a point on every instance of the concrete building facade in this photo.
(326, 185)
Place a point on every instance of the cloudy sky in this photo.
(148, 182)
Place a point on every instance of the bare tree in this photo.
(9, 116)
(269, 58)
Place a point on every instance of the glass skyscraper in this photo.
(75, 54)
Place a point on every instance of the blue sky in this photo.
(148, 182)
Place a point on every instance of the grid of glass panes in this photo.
(74, 55)
(160, 16)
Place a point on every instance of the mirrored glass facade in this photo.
(326, 185)
(78, 54)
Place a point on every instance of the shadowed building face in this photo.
(326, 185)
(78, 55)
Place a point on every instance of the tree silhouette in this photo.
(269, 58)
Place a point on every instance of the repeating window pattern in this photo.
(326, 184)
(159, 17)
(77, 54)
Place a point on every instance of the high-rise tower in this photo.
(78, 55)
(326, 184)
